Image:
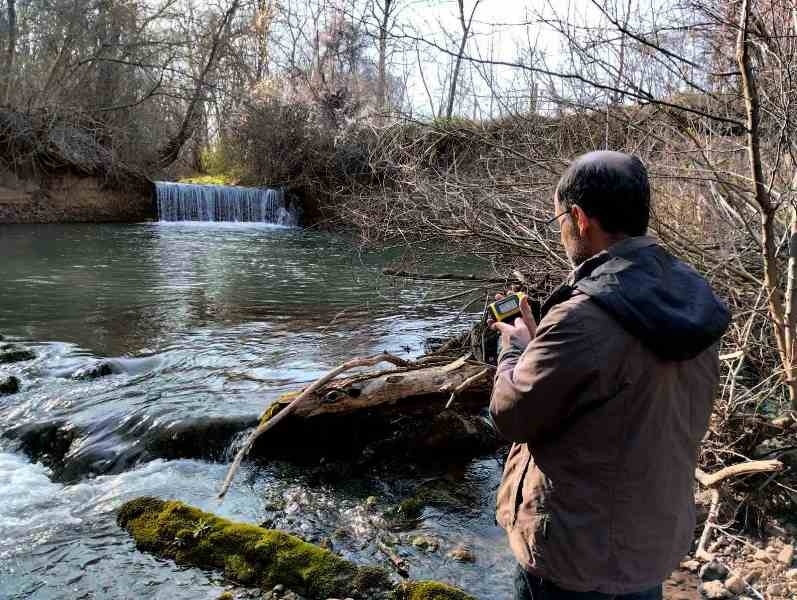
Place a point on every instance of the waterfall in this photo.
(189, 202)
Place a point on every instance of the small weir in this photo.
(218, 203)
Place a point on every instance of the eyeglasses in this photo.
(554, 224)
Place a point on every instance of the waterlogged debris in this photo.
(9, 385)
(251, 555)
(399, 564)
(374, 416)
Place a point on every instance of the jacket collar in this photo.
(623, 248)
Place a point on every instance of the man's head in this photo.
(603, 197)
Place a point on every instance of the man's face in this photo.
(576, 247)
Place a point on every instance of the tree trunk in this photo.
(170, 151)
(109, 36)
(466, 25)
(381, 83)
(780, 307)
(10, 52)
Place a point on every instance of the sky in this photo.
(501, 28)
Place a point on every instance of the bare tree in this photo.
(169, 152)
(10, 52)
(465, 24)
(384, 12)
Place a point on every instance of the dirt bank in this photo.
(69, 198)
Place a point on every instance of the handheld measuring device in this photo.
(507, 309)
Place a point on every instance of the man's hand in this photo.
(521, 332)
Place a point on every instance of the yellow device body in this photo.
(507, 308)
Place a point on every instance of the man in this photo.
(606, 400)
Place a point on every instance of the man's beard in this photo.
(579, 252)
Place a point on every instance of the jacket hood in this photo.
(659, 299)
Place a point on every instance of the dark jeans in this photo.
(529, 587)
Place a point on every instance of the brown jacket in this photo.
(597, 493)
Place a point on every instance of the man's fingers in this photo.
(526, 314)
(499, 296)
(501, 327)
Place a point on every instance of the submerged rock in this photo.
(252, 555)
(406, 514)
(425, 543)
(9, 385)
(462, 553)
(47, 443)
(12, 354)
(93, 371)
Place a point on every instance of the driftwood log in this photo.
(432, 408)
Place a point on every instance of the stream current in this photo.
(204, 323)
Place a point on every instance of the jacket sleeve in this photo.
(536, 392)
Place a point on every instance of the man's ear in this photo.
(581, 219)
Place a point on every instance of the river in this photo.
(196, 323)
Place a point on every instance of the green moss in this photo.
(277, 406)
(252, 555)
(226, 596)
(429, 590)
(407, 511)
(245, 553)
(219, 179)
(237, 568)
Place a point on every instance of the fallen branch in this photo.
(756, 466)
(306, 393)
(445, 276)
(465, 385)
(401, 566)
(713, 481)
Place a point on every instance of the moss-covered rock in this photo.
(255, 556)
(405, 514)
(245, 553)
(429, 590)
(9, 385)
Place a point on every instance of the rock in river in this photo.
(12, 354)
(93, 371)
(9, 385)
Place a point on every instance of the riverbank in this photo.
(69, 198)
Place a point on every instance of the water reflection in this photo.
(117, 289)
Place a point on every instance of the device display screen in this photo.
(508, 304)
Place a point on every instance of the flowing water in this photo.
(201, 324)
(213, 203)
